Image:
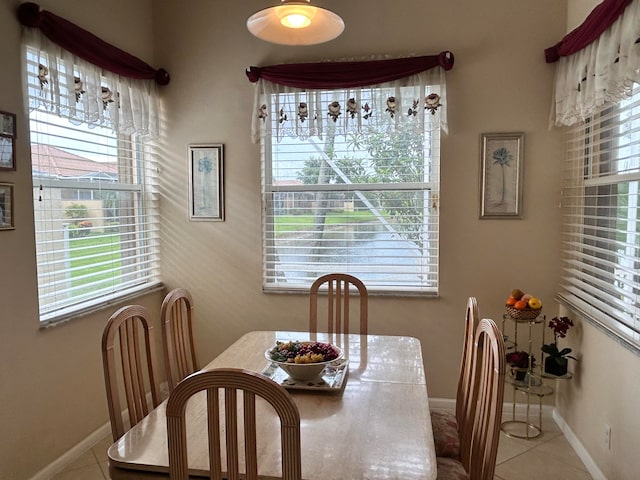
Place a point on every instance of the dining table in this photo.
(365, 418)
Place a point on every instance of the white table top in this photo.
(379, 427)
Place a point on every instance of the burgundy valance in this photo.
(601, 18)
(87, 46)
(333, 75)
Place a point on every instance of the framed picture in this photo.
(7, 138)
(6, 206)
(206, 182)
(501, 175)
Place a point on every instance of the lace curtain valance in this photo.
(304, 100)
(66, 83)
(600, 72)
(87, 46)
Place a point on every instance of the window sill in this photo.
(617, 337)
(80, 311)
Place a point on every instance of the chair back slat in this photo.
(339, 288)
(231, 381)
(251, 436)
(334, 310)
(215, 445)
(176, 316)
(128, 368)
(464, 382)
(128, 359)
(182, 335)
(231, 431)
(132, 366)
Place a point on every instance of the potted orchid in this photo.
(556, 362)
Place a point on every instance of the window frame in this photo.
(133, 156)
(431, 187)
(597, 260)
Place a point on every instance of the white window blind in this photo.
(355, 191)
(601, 234)
(95, 204)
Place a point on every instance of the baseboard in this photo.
(577, 446)
(520, 409)
(442, 404)
(73, 454)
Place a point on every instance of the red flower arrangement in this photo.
(520, 359)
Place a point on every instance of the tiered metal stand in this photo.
(531, 386)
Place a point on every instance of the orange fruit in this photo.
(511, 301)
(520, 305)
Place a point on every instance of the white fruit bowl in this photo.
(304, 371)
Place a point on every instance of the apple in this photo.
(517, 293)
(534, 303)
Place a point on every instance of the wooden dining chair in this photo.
(128, 359)
(339, 288)
(231, 381)
(448, 426)
(176, 315)
(479, 444)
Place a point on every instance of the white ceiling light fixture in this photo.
(295, 22)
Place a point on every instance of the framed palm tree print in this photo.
(206, 182)
(501, 175)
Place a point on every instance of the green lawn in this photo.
(93, 257)
(292, 223)
(87, 256)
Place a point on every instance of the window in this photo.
(601, 234)
(95, 205)
(351, 184)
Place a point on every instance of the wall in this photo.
(500, 83)
(606, 387)
(577, 11)
(51, 383)
(51, 380)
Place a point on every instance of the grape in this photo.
(303, 352)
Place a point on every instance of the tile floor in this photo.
(517, 459)
(534, 459)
